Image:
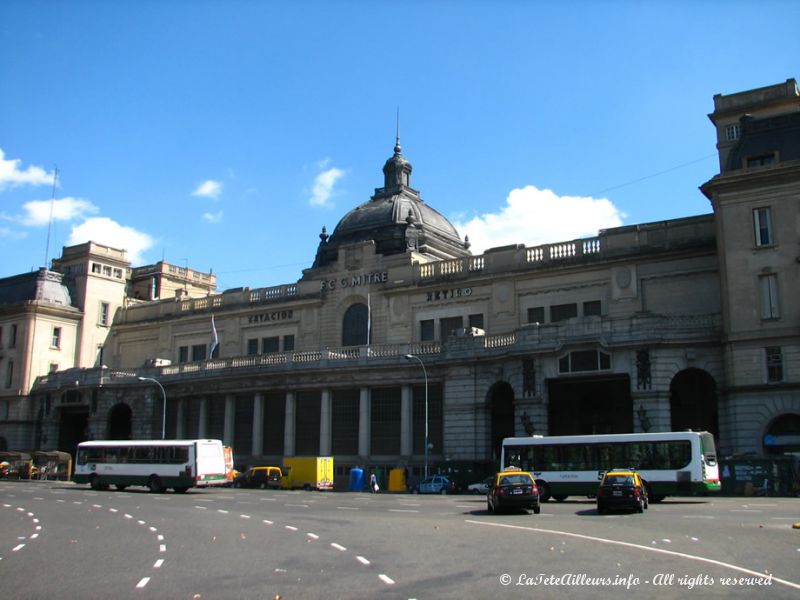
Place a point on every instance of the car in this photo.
(513, 488)
(481, 487)
(259, 477)
(437, 484)
(622, 489)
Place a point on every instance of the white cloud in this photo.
(323, 186)
(208, 189)
(12, 234)
(38, 212)
(110, 233)
(213, 217)
(533, 217)
(12, 176)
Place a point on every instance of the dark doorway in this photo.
(501, 402)
(693, 401)
(590, 406)
(119, 422)
(783, 435)
(72, 428)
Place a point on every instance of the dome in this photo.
(396, 219)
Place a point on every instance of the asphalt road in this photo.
(62, 541)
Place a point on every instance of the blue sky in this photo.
(224, 135)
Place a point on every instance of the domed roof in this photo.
(396, 219)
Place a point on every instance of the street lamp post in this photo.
(425, 373)
(164, 409)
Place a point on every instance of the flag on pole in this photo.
(214, 338)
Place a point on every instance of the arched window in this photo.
(355, 326)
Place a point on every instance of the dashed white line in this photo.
(34, 536)
(338, 546)
(297, 505)
(313, 536)
(160, 538)
(127, 516)
(144, 581)
(162, 548)
(201, 507)
(291, 527)
(153, 529)
(220, 510)
(17, 548)
(158, 563)
(142, 522)
(347, 508)
(267, 522)
(97, 506)
(404, 510)
(386, 579)
(362, 560)
(114, 510)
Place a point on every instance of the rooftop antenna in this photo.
(50, 221)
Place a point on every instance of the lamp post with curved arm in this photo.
(425, 373)
(164, 409)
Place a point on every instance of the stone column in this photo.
(364, 425)
(230, 419)
(288, 428)
(258, 425)
(202, 425)
(406, 429)
(180, 417)
(325, 423)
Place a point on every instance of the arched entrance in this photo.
(590, 405)
(693, 401)
(501, 403)
(119, 422)
(783, 435)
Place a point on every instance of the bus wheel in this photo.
(120, 486)
(559, 497)
(181, 490)
(155, 484)
(95, 483)
(544, 491)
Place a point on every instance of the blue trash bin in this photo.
(357, 481)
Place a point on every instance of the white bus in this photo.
(157, 464)
(671, 463)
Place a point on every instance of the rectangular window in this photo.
(774, 364)
(761, 161)
(270, 345)
(770, 308)
(9, 372)
(198, 352)
(106, 270)
(562, 312)
(118, 273)
(183, 354)
(762, 226)
(104, 312)
(449, 326)
(476, 321)
(592, 308)
(426, 331)
(12, 342)
(56, 341)
(732, 132)
(536, 314)
(96, 268)
(53, 368)
(288, 343)
(252, 346)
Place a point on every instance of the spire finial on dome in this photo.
(397, 148)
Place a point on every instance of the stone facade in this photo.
(648, 327)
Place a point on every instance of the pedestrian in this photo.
(373, 484)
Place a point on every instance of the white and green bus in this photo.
(156, 464)
(671, 463)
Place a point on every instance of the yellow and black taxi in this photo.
(621, 489)
(259, 477)
(513, 488)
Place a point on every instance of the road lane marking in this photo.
(114, 510)
(162, 548)
(144, 581)
(347, 508)
(298, 505)
(702, 559)
(403, 510)
(153, 529)
(17, 548)
(160, 538)
(267, 522)
(291, 527)
(201, 507)
(338, 546)
(158, 563)
(141, 522)
(127, 516)
(97, 506)
(244, 516)
(313, 536)
(34, 536)
(362, 560)
(223, 511)
(386, 579)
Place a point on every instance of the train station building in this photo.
(398, 334)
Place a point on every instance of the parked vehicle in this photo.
(308, 472)
(622, 489)
(513, 488)
(438, 484)
(260, 477)
(481, 487)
